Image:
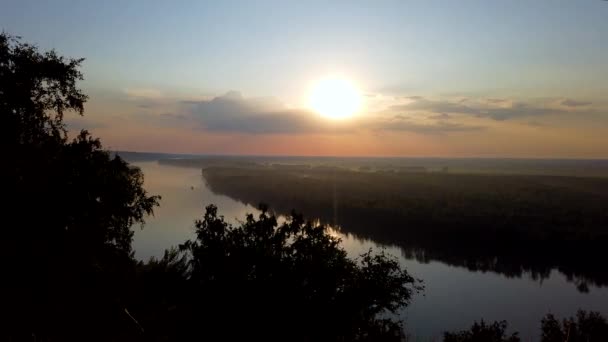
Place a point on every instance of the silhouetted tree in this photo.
(161, 287)
(586, 327)
(69, 205)
(482, 332)
(289, 281)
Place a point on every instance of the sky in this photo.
(436, 78)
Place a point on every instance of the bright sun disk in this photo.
(335, 98)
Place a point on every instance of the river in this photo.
(453, 298)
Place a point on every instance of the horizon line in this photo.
(359, 156)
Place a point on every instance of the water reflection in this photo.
(460, 288)
(582, 269)
(184, 198)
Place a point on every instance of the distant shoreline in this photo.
(162, 155)
(550, 167)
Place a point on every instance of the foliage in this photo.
(67, 251)
(586, 327)
(511, 224)
(292, 279)
(160, 286)
(482, 332)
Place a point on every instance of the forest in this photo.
(508, 224)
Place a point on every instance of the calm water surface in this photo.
(454, 297)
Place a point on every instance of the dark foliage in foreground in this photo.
(482, 332)
(65, 252)
(585, 327)
(276, 280)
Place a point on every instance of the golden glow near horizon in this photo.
(335, 98)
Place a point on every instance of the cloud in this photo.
(496, 101)
(422, 104)
(497, 109)
(235, 113)
(232, 112)
(574, 103)
(402, 123)
(518, 110)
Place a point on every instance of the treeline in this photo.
(585, 327)
(481, 166)
(507, 224)
(534, 207)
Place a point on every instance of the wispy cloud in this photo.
(574, 103)
(493, 108)
(434, 126)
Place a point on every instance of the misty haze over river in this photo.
(453, 296)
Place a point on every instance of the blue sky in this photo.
(530, 54)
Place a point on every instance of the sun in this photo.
(335, 98)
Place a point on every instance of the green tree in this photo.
(70, 205)
(262, 279)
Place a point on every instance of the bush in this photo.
(482, 332)
(586, 327)
(266, 280)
